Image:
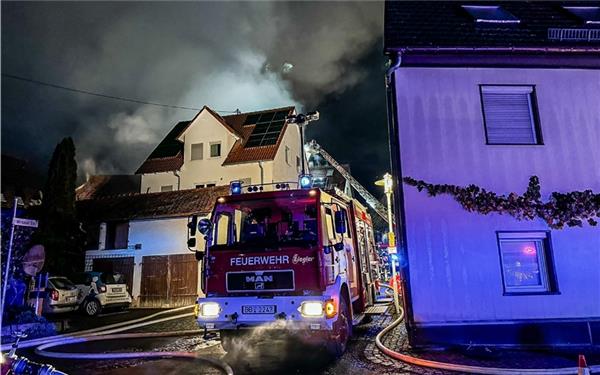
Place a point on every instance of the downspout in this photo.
(176, 173)
(394, 142)
(262, 172)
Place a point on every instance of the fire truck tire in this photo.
(342, 329)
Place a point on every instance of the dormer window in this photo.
(589, 15)
(490, 14)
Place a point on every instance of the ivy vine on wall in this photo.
(571, 209)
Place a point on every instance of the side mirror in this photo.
(205, 226)
(192, 225)
(191, 242)
(339, 246)
(199, 255)
(340, 222)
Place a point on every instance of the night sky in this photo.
(247, 56)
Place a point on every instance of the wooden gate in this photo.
(183, 287)
(169, 280)
(122, 265)
(153, 292)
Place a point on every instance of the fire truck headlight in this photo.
(311, 309)
(209, 309)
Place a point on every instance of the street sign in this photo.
(25, 222)
(392, 250)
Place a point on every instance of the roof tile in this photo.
(179, 203)
(446, 24)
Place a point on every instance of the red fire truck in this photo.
(298, 259)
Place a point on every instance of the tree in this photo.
(60, 231)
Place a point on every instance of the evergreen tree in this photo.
(60, 232)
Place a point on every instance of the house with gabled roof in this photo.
(495, 146)
(144, 237)
(213, 150)
(143, 234)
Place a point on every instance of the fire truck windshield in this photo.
(265, 224)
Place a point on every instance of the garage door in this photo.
(123, 265)
(169, 280)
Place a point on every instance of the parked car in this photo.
(60, 296)
(101, 290)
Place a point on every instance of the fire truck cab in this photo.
(298, 260)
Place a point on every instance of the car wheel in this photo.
(91, 307)
(342, 330)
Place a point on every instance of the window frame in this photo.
(575, 11)
(533, 109)
(504, 16)
(210, 149)
(201, 151)
(545, 260)
(113, 229)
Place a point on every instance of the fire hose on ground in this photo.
(110, 333)
(465, 368)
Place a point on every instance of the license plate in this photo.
(117, 290)
(70, 299)
(259, 309)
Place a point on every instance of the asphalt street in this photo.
(273, 355)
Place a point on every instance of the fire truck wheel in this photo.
(342, 329)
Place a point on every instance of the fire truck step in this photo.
(376, 310)
(384, 300)
(357, 319)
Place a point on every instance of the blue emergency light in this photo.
(305, 181)
(235, 187)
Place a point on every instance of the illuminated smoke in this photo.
(188, 54)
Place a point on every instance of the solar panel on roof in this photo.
(252, 119)
(267, 130)
(266, 117)
(281, 115)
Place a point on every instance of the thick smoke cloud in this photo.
(226, 55)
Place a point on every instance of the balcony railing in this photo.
(574, 34)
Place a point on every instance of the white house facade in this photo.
(211, 150)
(493, 108)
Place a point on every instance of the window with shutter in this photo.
(197, 151)
(510, 116)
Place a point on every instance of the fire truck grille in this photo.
(273, 281)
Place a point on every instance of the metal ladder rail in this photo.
(377, 206)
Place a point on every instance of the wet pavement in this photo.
(279, 355)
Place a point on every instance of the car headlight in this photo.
(209, 309)
(311, 309)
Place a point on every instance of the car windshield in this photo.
(62, 283)
(112, 278)
(266, 224)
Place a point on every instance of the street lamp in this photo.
(388, 185)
